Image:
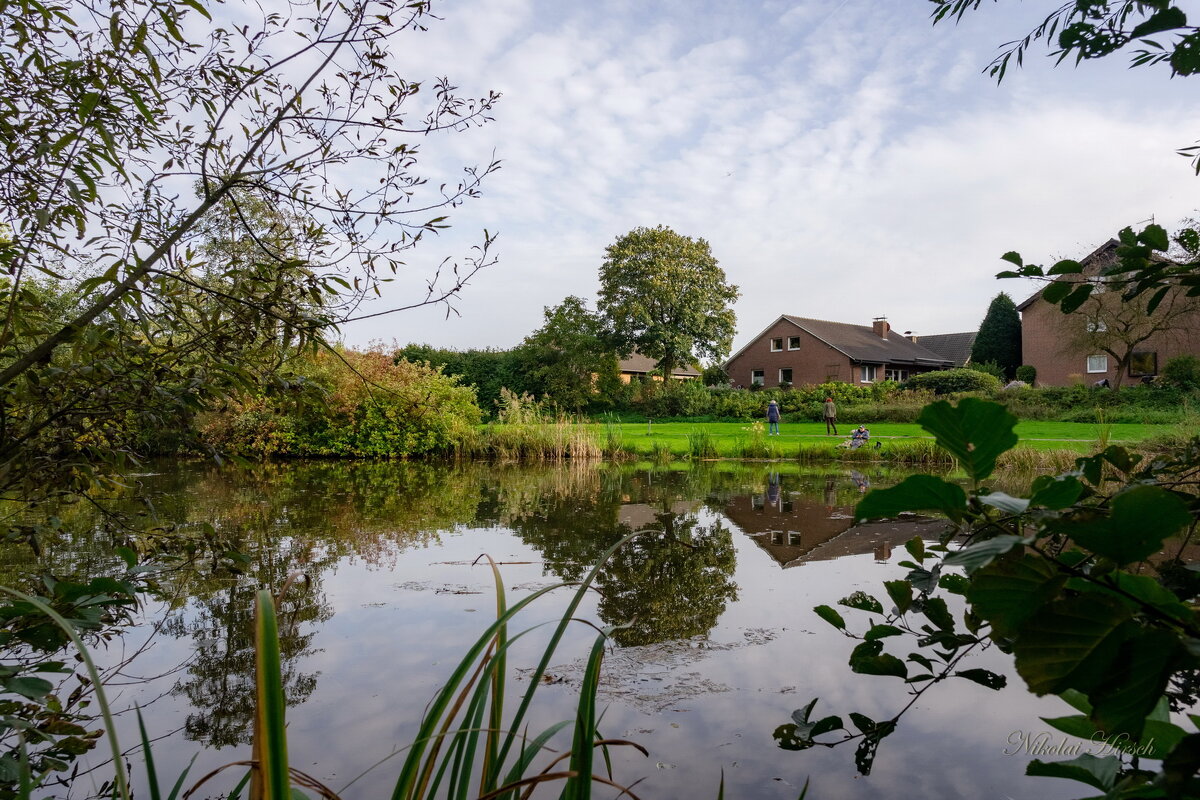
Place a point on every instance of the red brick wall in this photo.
(815, 362)
(1046, 344)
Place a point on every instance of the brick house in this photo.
(640, 367)
(1087, 345)
(801, 351)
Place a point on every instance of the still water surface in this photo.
(721, 644)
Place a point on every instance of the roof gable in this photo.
(954, 346)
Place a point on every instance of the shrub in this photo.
(989, 368)
(371, 407)
(1182, 372)
(1027, 373)
(948, 381)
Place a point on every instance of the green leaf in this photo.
(1099, 773)
(1065, 267)
(863, 602)
(831, 616)
(983, 677)
(1055, 492)
(1008, 592)
(1005, 502)
(916, 548)
(1135, 682)
(954, 583)
(1155, 235)
(975, 432)
(1013, 257)
(1076, 298)
(900, 593)
(934, 608)
(980, 554)
(914, 493)
(1071, 644)
(882, 631)
(33, 688)
(1056, 291)
(868, 659)
(1140, 520)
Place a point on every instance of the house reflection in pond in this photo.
(642, 515)
(796, 528)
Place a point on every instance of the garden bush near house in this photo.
(371, 407)
(950, 381)
(1182, 372)
(990, 368)
(1027, 373)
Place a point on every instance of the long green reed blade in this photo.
(552, 646)
(583, 754)
(491, 767)
(182, 776)
(236, 792)
(151, 773)
(406, 782)
(531, 750)
(271, 731)
(120, 783)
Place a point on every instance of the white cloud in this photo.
(842, 165)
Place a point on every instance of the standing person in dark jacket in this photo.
(773, 419)
(830, 416)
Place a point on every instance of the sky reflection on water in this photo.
(723, 646)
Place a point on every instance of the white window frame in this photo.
(898, 375)
(776, 344)
(790, 338)
(1097, 326)
(758, 376)
(1096, 371)
(783, 370)
(873, 371)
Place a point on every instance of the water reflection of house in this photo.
(643, 515)
(794, 530)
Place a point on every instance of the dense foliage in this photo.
(999, 338)
(1056, 578)
(368, 406)
(663, 295)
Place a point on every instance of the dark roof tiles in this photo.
(860, 343)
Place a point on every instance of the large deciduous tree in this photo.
(663, 295)
(999, 337)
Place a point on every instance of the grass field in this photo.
(732, 438)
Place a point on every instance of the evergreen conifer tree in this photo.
(999, 337)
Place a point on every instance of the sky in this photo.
(845, 159)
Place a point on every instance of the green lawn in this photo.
(1043, 435)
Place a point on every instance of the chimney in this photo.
(912, 337)
(881, 327)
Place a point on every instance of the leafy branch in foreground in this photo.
(1058, 579)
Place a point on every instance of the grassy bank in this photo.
(1044, 445)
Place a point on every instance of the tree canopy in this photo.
(999, 337)
(568, 357)
(664, 295)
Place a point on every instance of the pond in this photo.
(719, 646)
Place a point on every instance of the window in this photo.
(870, 373)
(1096, 326)
(1097, 363)
(793, 343)
(895, 374)
(756, 377)
(1143, 364)
(785, 376)
(1099, 284)
(776, 345)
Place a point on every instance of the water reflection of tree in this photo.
(220, 684)
(671, 582)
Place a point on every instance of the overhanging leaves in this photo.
(914, 493)
(975, 432)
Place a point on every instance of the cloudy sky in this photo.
(844, 158)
